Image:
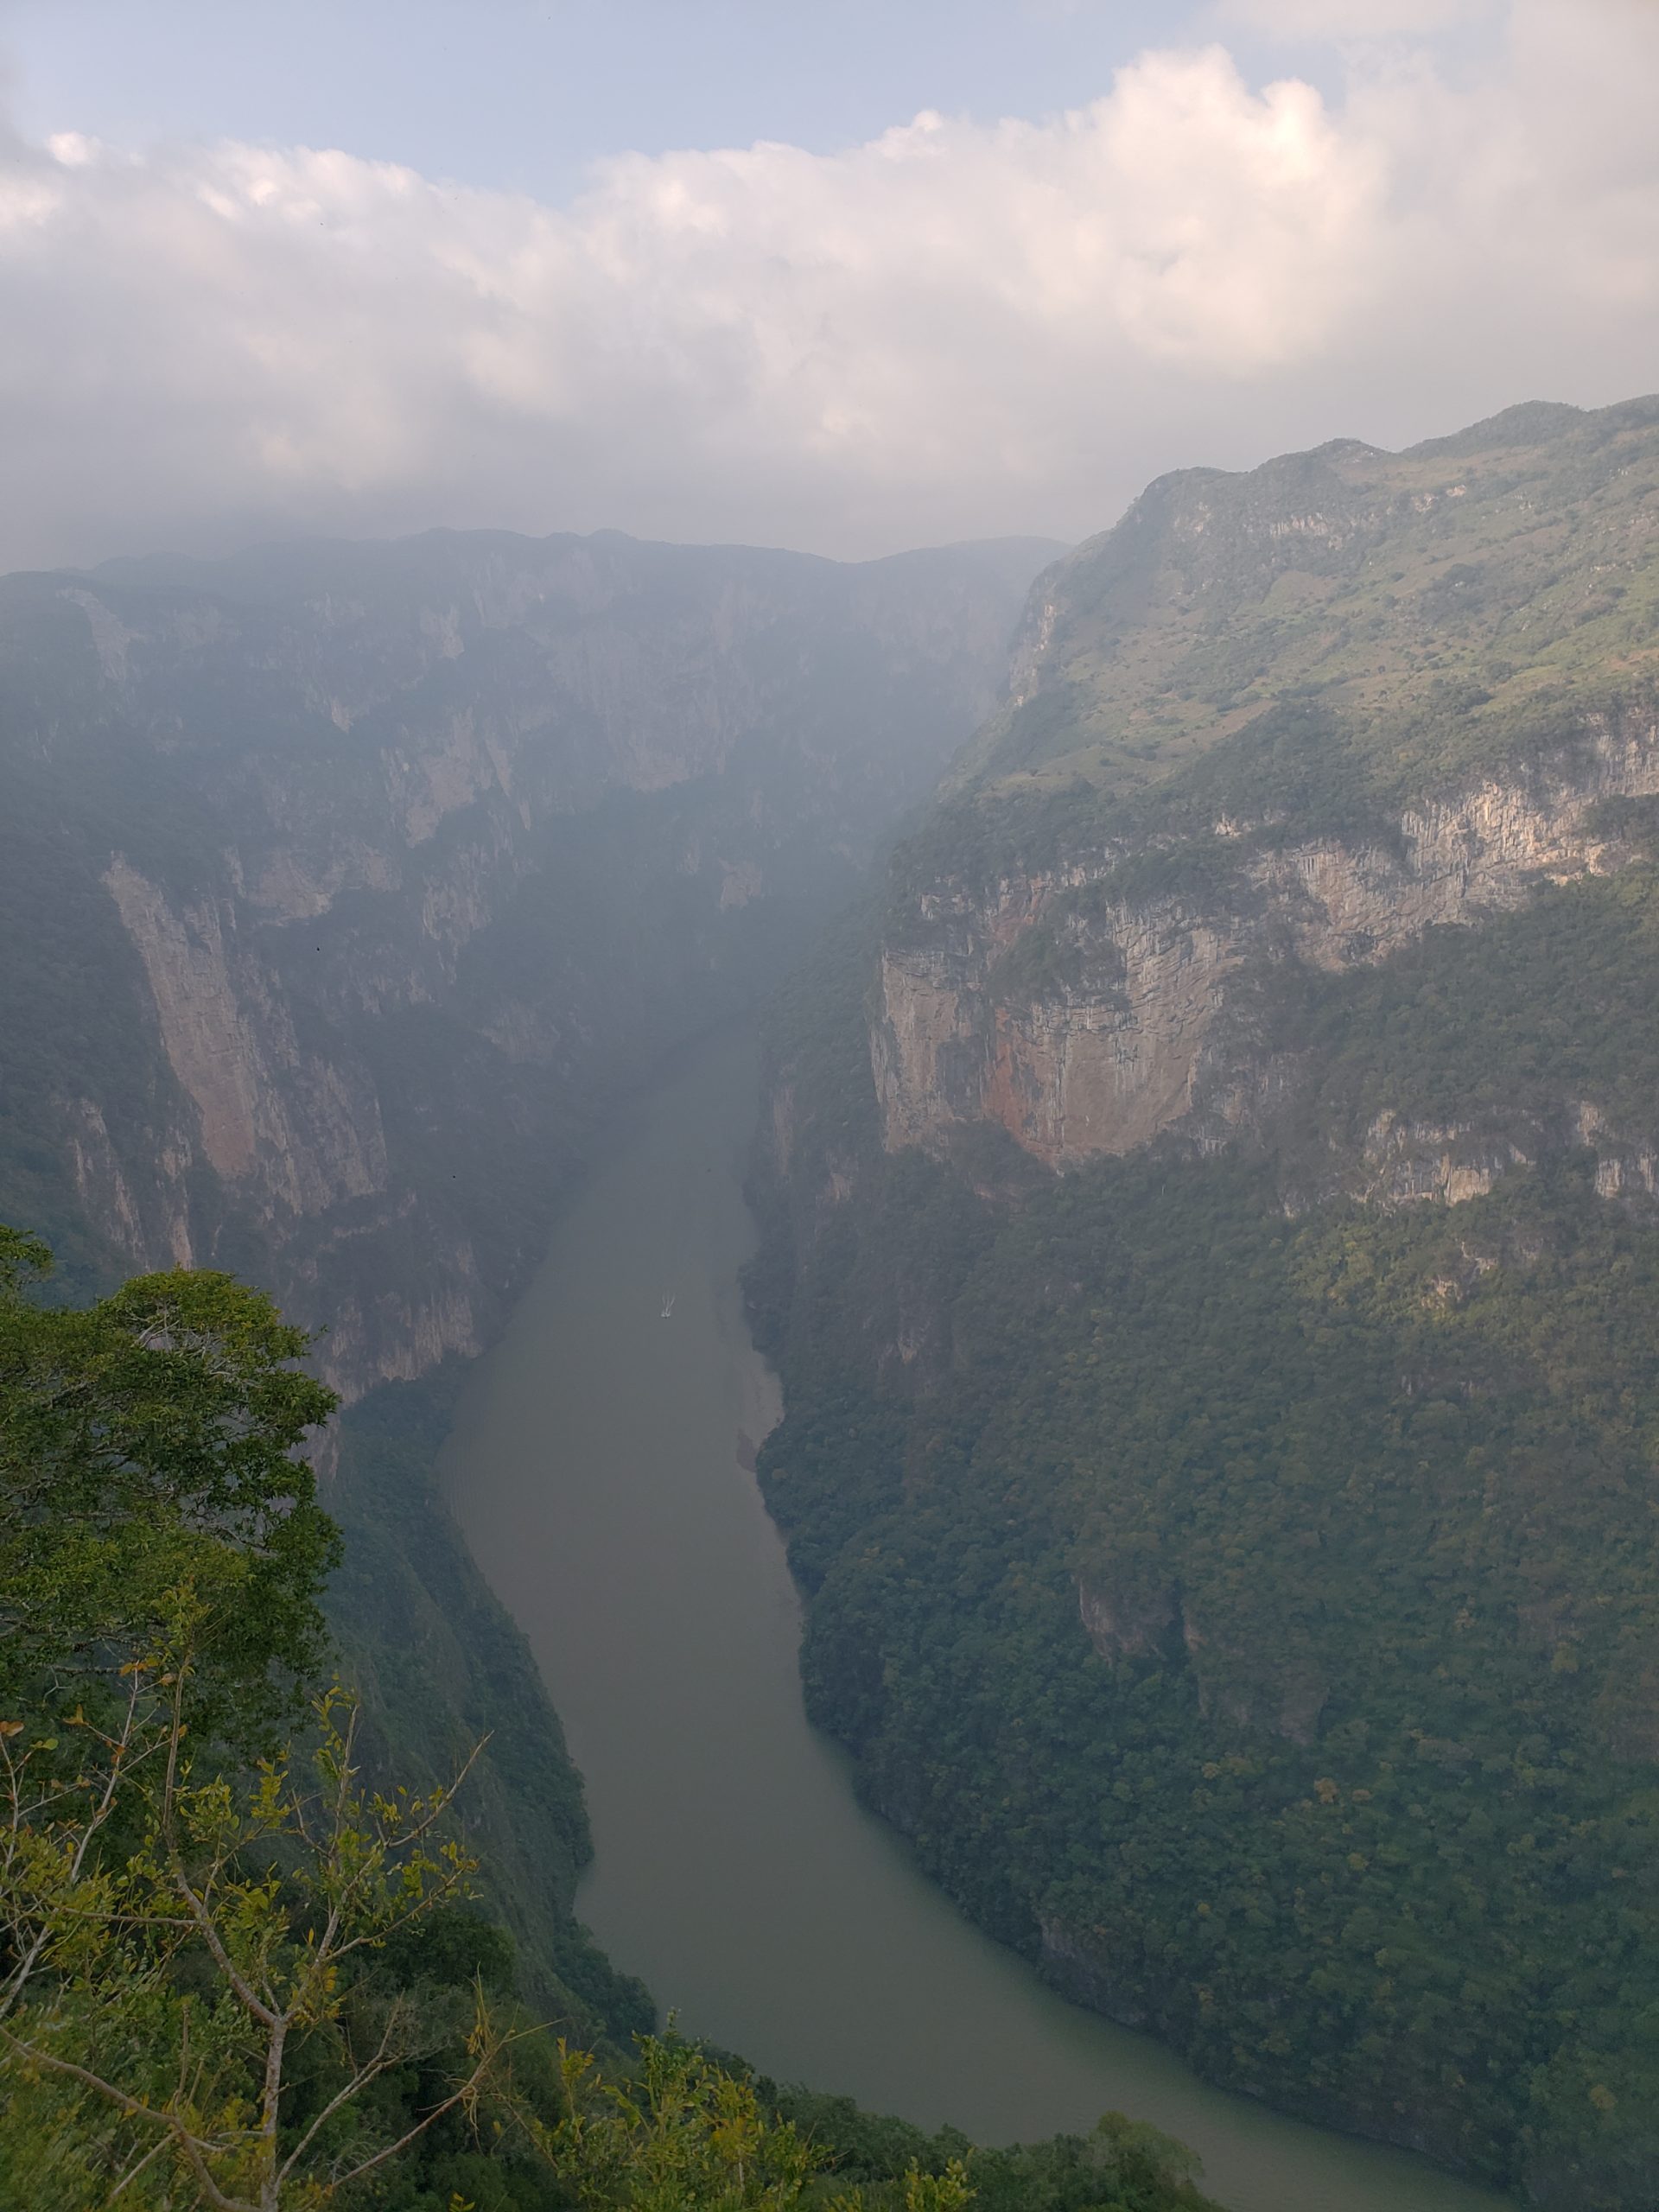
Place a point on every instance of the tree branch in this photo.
(468, 2087)
(358, 2081)
(245, 1992)
(189, 2145)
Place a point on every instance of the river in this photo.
(595, 1472)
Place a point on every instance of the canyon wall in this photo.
(350, 881)
(344, 890)
(1125, 1037)
(1219, 1396)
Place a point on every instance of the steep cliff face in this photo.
(1126, 1037)
(415, 849)
(1294, 718)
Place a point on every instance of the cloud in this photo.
(1326, 20)
(957, 328)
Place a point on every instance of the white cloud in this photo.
(957, 328)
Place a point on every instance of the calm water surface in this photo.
(595, 1469)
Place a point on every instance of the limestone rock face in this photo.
(1128, 1043)
(1327, 705)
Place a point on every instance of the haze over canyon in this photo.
(982, 1198)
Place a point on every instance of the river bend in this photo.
(595, 1469)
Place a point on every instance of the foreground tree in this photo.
(685, 2131)
(206, 2007)
(153, 1440)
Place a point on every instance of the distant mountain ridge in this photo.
(435, 560)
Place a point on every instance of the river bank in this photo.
(595, 1469)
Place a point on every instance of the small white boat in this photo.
(668, 1306)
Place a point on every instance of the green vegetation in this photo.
(1443, 593)
(1122, 2166)
(235, 1975)
(149, 1441)
(1351, 1793)
(1240, 1583)
(1357, 1805)
(1506, 1028)
(1305, 650)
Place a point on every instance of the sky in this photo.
(843, 277)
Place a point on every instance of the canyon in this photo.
(348, 890)
(390, 854)
(1208, 1188)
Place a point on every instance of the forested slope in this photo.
(1213, 1253)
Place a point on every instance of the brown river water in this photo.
(595, 1469)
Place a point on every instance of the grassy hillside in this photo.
(1450, 588)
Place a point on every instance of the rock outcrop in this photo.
(1127, 1043)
